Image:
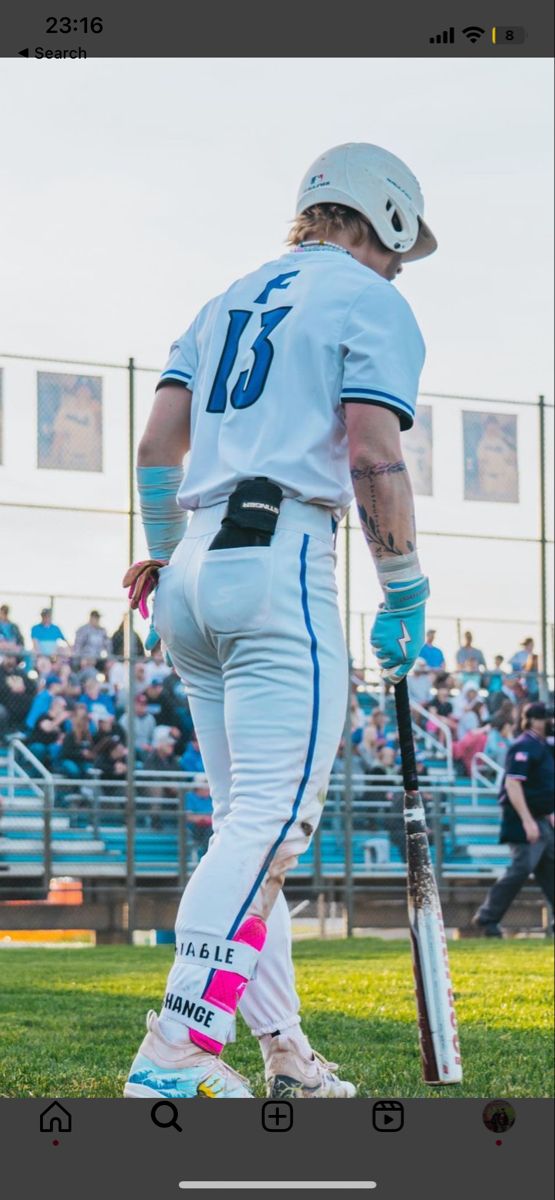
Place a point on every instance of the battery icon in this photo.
(508, 35)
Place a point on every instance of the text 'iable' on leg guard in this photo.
(233, 962)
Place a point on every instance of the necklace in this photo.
(321, 245)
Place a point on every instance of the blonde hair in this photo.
(322, 221)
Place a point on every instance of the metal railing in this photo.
(45, 792)
(443, 749)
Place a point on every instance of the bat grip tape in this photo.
(406, 740)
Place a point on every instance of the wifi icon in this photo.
(473, 33)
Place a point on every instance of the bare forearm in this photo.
(385, 505)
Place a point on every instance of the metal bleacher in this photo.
(50, 827)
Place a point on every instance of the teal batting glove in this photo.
(398, 633)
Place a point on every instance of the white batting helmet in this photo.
(376, 184)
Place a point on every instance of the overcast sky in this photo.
(134, 190)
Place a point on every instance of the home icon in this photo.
(55, 1119)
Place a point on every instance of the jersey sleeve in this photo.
(383, 352)
(182, 362)
(520, 757)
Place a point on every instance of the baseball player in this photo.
(288, 391)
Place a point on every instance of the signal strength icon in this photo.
(473, 33)
(446, 38)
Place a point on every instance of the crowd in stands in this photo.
(69, 703)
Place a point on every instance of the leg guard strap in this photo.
(200, 1016)
(199, 949)
(226, 987)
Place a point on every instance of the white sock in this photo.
(173, 1031)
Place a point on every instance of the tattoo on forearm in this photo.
(383, 468)
(380, 542)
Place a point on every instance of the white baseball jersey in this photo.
(270, 363)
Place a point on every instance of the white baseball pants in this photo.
(256, 637)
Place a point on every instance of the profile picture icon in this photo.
(499, 1116)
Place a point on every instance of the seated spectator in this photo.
(499, 738)
(156, 667)
(42, 700)
(469, 710)
(46, 636)
(440, 706)
(469, 651)
(495, 679)
(377, 722)
(431, 654)
(471, 673)
(509, 692)
(118, 682)
(118, 642)
(372, 739)
(153, 693)
(385, 760)
(16, 695)
(191, 759)
(472, 742)
(521, 656)
(91, 640)
(145, 726)
(198, 807)
(11, 639)
(72, 687)
(420, 682)
(95, 693)
(104, 724)
(76, 754)
(46, 737)
(44, 665)
(175, 705)
(162, 758)
(110, 758)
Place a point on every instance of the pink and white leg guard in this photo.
(226, 985)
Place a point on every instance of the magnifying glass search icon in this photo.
(164, 1114)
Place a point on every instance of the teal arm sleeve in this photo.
(163, 521)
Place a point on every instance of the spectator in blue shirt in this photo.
(10, 634)
(496, 678)
(431, 654)
(46, 635)
(519, 660)
(468, 652)
(53, 687)
(198, 807)
(191, 759)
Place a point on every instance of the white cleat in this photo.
(165, 1072)
(292, 1076)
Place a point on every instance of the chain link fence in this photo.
(68, 435)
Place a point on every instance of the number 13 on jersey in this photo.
(250, 384)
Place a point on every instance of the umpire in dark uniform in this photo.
(527, 800)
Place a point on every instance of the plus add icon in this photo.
(277, 1116)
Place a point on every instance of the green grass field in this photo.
(71, 1019)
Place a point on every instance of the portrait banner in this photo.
(69, 422)
(418, 450)
(490, 457)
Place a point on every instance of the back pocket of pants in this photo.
(235, 589)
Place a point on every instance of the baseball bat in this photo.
(437, 1021)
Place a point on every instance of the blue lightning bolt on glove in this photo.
(398, 633)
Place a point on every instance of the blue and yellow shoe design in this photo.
(204, 1076)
